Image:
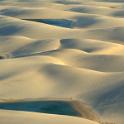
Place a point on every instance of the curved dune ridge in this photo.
(61, 61)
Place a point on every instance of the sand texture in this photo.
(70, 51)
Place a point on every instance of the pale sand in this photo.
(13, 117)
(62, 49)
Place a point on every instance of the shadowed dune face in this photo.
(9, 30)
(85, 45)
(11, 12)
(119, 13)
(61, 49)
(82, 22)
(66, 2)
(81, 9)
(36, 47)
(8, 27)
(99, 63)
(111, 100)
(112, 34)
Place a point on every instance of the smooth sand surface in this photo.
(63, 49)
(13, 117)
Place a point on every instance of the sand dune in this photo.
(62, 50)
(34, 118)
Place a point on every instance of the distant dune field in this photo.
(61, 61)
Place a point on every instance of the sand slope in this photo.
(62, 49)
(34, 118)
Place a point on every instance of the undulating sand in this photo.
(64, 50)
